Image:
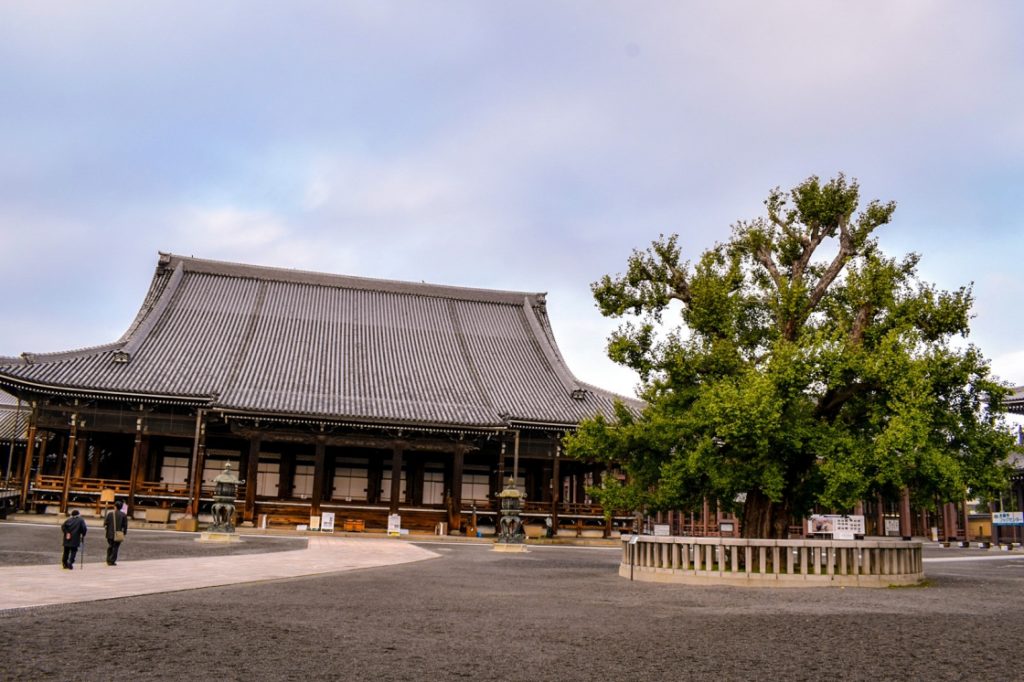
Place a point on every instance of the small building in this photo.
(356, 396)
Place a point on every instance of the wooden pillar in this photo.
(515, 458)
(458, 460)
(143, 459)
(30, 449)
(556, 488)
(396, 478)
(967, 522)
(879, 515)
(374, 478)
(949, 521)
(414, 481)
(198, 461)
(251, 479)
(905, 530)
(705, 513)
(318, 475)
(501, 468)
(133, 480)
(286, 474)
(81, 447)
(1018, 531)
(69, 458)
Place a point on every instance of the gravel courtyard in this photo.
(552, 614)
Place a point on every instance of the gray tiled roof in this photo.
(280, 341)
(1015, 403)
(12, 421)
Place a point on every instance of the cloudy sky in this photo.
(525, 145)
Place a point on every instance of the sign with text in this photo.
(1008, 518)
(662, 529)
(394, 524)
(327, 522)
(839, 527)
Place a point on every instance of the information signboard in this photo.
(327, 522)
(839, 527)
(662, 529)
(394, 524)
(1008, 518)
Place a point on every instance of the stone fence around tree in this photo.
(771, 563)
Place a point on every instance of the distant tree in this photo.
(808, 369)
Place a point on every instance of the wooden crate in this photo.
(158, 516)
(354, 525)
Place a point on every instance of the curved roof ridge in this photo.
(627, 400)
(57, 356)
(549, 349)
(262, 272)
(145, 323)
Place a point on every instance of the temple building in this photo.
(326, 393)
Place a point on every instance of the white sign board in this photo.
(839, 527)
(394, 524)
(327, 522)
(892, 526)
(662, 529)
(1008, 518)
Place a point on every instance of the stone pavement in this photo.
(26, 586)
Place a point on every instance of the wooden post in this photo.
(143, 459)
(905, 529)
(501, 468)
(198, 461)
(374, 478)
(556, 488)
(80, 448)
(251, 479)
(396, 478)
(318, 476)
(136, 457)
(30, 449)
(949, 521)
(880, 515)
(458, 459)
(515, 458)
(967, 523)
(69, 458)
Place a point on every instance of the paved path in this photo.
(25, 586)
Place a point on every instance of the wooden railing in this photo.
(780, 563)
(96, 485)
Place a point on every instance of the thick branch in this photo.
(846, 250)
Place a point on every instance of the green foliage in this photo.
(795, 376)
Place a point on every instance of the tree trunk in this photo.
(763, 518)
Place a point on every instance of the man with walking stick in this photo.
(115, 527)
(74, 530)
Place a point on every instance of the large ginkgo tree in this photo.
(806, 368)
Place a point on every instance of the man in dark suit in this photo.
(115, 523)
(74, 531)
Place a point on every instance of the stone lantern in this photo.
(511, 536)
(225, 487)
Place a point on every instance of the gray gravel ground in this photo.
(552, 614)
